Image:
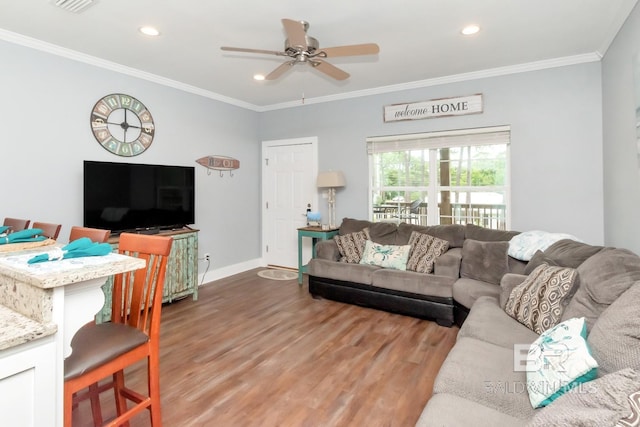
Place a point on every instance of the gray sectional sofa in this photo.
(478, 384)
(472, 267)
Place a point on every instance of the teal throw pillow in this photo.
(558, 361)
(387, 256)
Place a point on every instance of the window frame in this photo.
(433, 141)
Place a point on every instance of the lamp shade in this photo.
(331, 179)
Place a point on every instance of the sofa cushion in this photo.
(485, 261)
(475, 232)
(386, 256)
(424, 251)
(351, 246)
(538, 302)
(448, 264)
(570, 253)
(483, 372)
(601, 402)
(384, 233)
(507, 284)
(328, 249)
(414, 283)
(488, 322)
(350, 225)
(443, 410)
(558, 361)
(356, 273)
(453, 233)
(615, 337)
(467, 291)
(538, 259)
(603, 278)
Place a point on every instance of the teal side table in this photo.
(316, 234)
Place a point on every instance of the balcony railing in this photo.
(484, 215)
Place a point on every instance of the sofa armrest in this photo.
(327, 249)
(448, 264)
(508, 282)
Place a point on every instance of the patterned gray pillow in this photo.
(538, 302)
(351, 246)
(424, 251)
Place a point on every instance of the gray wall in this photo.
(44, 117)
(621, 168)
(556, 142)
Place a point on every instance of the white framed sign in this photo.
(444, 107)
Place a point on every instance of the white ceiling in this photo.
(420, 41)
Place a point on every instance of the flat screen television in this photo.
(136, 197)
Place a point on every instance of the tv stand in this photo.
(182, 268)
(148, 231)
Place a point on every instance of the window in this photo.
(453, 177)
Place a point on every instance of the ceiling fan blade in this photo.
(280, 70)
(329, 70)
(295, 33)
(351, 50)
(242, 49)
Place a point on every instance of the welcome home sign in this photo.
(434, 108)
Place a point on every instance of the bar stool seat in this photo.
(96, 344)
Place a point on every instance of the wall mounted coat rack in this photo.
(219, 163)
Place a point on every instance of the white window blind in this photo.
(446, 139)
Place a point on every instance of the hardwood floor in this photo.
(260, 352)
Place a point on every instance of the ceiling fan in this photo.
(303, 49)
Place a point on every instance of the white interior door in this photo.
(290, 168)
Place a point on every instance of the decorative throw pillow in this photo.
(484, 261)
(524, 245)
(538, 302)
(351, 246)
(424, 251)
(387, 256)
(558, 361)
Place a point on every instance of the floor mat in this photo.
(276, 274)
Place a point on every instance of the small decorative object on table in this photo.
(313, 219)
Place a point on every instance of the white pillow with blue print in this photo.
(387, 256)
(558, 361)
(524, 245)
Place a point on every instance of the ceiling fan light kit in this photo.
(304, 49)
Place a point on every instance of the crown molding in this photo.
(119, 68)
(455, 78)
(623, 13)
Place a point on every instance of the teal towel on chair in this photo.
(22, 236)
(81, 247)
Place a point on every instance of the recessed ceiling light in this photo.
(470, 30)
(258, 77)
(149, 31)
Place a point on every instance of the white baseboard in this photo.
(229, 270)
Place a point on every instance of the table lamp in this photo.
(331, 180)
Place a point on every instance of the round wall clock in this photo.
(122, 125)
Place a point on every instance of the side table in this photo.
(316, 234)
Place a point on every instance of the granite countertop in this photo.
(16, 329)
(52, 274)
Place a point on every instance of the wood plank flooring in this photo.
(260, 352)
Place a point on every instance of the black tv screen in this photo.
(126, 196)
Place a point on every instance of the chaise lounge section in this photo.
(476, 283)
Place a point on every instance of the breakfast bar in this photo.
(42, 305)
